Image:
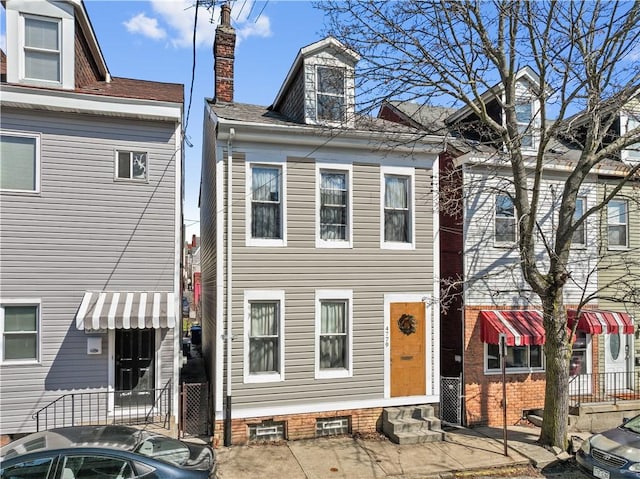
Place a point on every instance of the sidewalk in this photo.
(348, 457)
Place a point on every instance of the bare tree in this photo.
(587, 56)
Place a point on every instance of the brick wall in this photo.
(301, 426)
(483, 393)
(224, 55)
(86, 70)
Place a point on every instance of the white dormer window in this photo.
(42, 49)
(633, 151)
(524, 117)
(330, 94)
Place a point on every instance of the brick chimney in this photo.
(223, 55)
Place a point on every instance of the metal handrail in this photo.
(607, 387)
(92, 408)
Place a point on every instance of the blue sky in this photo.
(152, 40)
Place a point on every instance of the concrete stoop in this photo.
(411, 424)
(535, 418)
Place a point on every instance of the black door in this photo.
(135, 350)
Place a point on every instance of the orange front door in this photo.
(408, 358)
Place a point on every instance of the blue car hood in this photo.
(619, 441)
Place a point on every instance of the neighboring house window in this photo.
(617, 223)
(397, 194)
(132, 165)
(19, 162)
(505, 220)
(266, 203)
(579, 234)
(633, 151)
(41, 49)
(264, 350)
(524, 116)
(517, 358)
(579, 356)
(333, 333)
(20, 338)
(330, 93)
(334, 206)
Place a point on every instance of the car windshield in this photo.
(163, 448)
(633, 425)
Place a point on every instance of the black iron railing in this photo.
(604, 387)
(149, 406)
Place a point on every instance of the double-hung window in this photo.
(518, 358)
(42, 49)
(266, 202)
(131, 165)
(330, 93)
(333, 333)
(579, 237)
(633, 151)
(617, 219)
(20, 324)
(524, 117)
(264, 342)
(505, 219)
(19, 162)
(334, 206)
(398, 205)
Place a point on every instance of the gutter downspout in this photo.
(229, 332)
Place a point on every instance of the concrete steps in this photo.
(411, 424)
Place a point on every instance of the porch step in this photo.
(535, 418)
(411, 424)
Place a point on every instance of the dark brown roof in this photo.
(142, 89)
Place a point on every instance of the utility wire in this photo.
(193, 69)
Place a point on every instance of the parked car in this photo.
(105, 452)
(613, 454)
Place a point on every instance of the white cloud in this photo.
(145, 26)
(176, 18)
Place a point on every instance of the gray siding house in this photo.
(319, 255)
(90, 208)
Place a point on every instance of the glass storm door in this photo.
(616, 360)
(134, 371)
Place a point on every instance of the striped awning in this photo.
(520, 327)
(126, 310)
(601, 322)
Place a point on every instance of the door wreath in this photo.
(407, 324)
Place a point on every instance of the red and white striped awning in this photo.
(520, 327)
(601, 322)
(126, 310)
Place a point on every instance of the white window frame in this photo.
(344, 94)
(489, 372)
(496, 242)
(37, 302)
(277, 242)
(626, 224)
(583, 243)
(36, 137)
(322, 167)
(329, 295)
(527, 128)
(24, 48)
(131, 178)
(409, 172)
(267, 296)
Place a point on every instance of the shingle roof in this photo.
(141, 89)
(264, 115)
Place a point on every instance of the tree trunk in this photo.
(557, 354)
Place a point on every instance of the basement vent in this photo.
(267, 431)
(332, 426)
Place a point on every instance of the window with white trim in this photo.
(19, 323)
(398, 214)
(579, 236)
(330, 93)
(19, 162)
(633, 151)
(334, 311)
(617, 220)
(264, 331)
(505, 219)
(42, 49)
(266, 202)
(518, 358)
(524, 117)
(333, 206)
(131, 165)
